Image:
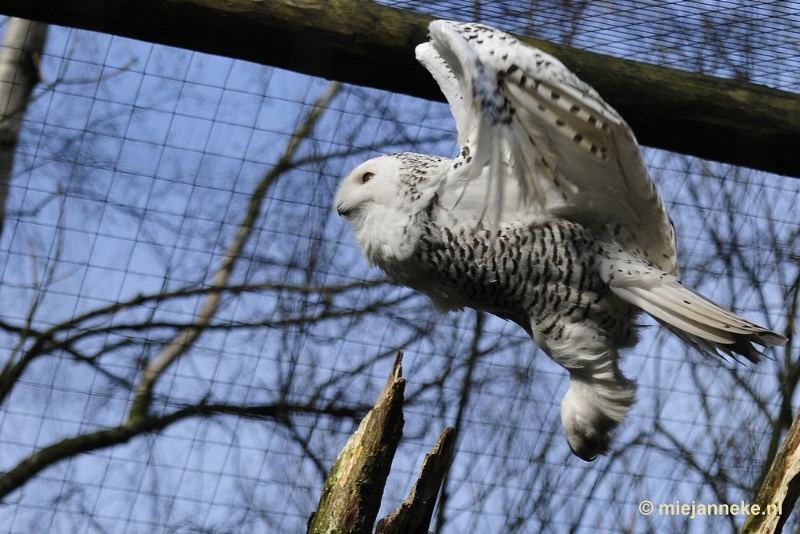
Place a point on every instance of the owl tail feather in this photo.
(695, 319)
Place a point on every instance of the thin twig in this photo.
(107, 437)
(187, 336)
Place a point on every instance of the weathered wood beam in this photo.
(368, 44)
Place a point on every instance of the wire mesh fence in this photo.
(136, 170)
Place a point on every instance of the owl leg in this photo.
(591, 411)
(599, 395)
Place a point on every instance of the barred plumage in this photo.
(546, 217)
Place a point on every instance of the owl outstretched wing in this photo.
(539, 129)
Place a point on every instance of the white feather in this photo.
(599, 180)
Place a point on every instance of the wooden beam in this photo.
(364, 43)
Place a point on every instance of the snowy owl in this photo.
(546, 217)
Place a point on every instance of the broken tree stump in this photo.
(351, 496)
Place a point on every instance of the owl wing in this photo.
(544, 133)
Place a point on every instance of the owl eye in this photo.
(367, 177)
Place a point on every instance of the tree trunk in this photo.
(780, 490)
(352, 493)
(23, 42)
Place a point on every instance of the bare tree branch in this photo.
(413, 516)
(107, 437)
(187, 336)
(139, 420)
